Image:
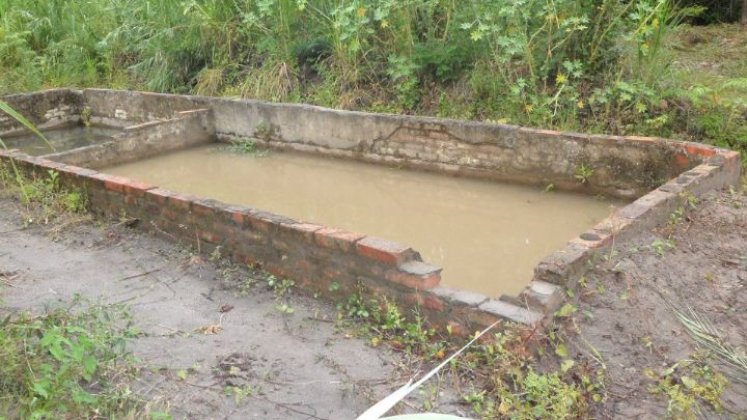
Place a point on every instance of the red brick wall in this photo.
(314, 256)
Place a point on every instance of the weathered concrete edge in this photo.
(53, 107)
(625, 167)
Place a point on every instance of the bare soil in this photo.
(626, 311)
(304, 366)
(299, 365)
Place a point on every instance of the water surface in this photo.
(487, 236)
(61, 139)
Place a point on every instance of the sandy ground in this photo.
(303, 367)
(298, 364)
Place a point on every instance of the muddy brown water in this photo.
(487, 236)
(61, 139)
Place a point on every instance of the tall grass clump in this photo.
(53, 43)
(595, 65)
(209, 44)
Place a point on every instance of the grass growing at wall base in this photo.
(506, 374)
(43, 196)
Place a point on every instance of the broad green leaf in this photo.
(83, 397)
(89, 366)
(40, 389)
(565, 311)
(26, 123)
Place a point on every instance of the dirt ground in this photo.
(306, 367)
(626, 311)
(300, 365)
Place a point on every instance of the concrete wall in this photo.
(189, 128)
(144, 134)
(137, 107)
(44, 109)
(626, 167)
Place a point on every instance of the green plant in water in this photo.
(247, 146)
(85, 116)
(584, 173)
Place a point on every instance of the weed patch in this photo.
(686, 385)
(499, 376)
(70, 362)
(43, 196)
(246, 146)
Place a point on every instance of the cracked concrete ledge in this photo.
(335, 263)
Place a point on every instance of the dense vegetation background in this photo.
(592, 65)
(647, 67)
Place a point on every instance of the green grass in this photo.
(508, 374)
(67, 363)
(43, 196)
(708, 337)
(586, 65)
(709, 56)
(70, 362)
(708, 77)
(687, 385)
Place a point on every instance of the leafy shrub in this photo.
(568, 64)
(65, 364)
